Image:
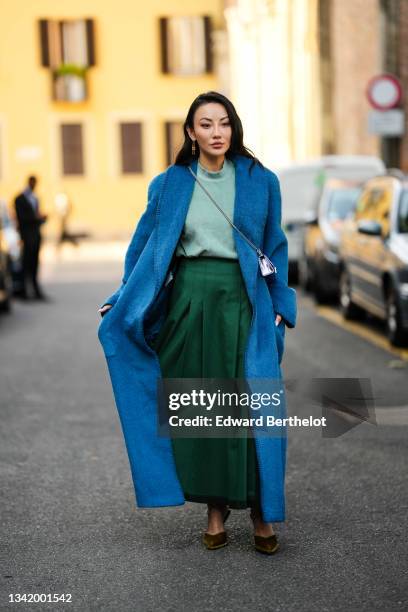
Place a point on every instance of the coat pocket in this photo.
(104, 334)
(280, 338)
(157, 312)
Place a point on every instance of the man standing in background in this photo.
(29, 221)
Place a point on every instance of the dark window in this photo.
(174, 139)
(72, 149)
(1, 151)
(131, 147)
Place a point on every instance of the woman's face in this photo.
(211, 127)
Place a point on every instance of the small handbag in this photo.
(266, 266)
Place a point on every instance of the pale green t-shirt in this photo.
(206, 232)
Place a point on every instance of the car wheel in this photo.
(321, 296)
(293, 272)
(304, 274)
(397, 335)
(348, 308)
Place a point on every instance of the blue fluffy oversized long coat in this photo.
(134, 366)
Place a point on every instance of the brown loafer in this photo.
(266, 544)
(216, 540)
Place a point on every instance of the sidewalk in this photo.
(87, 250)
(90, 261)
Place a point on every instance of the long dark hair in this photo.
(184, 156)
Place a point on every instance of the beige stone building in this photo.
(299, 72)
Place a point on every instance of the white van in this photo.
(301, 187)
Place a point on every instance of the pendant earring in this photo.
(193, 148)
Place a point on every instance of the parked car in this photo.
(319, 265)
(301, 188)
(12, 244)
(374, 256)
(6, 283)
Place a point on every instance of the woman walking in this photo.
(214, 315)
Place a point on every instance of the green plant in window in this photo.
(71, 69)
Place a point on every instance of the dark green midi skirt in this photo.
(204, 335)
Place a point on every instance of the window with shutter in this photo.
(68, 49)
(131, 147)
(186, 45)
(72, 149)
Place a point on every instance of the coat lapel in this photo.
(172, 211)
(250, 209)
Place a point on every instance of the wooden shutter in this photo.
(163, 45)
(45, 51)
(208, 45)
(131, 147)
(90, 41)
(72, 149)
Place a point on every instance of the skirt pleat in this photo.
(204, 336)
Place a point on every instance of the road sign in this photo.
(384, 91)
(386, 123)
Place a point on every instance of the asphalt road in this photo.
(69, 523)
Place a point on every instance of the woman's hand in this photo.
(278, 319)
(104, 308)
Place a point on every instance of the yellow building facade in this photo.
(92, 96)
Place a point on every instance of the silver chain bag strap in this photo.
(266, 266)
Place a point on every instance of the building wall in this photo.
(356, 58)
(273, 51)
(403, 57)
(126, 83)
(299, 72)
